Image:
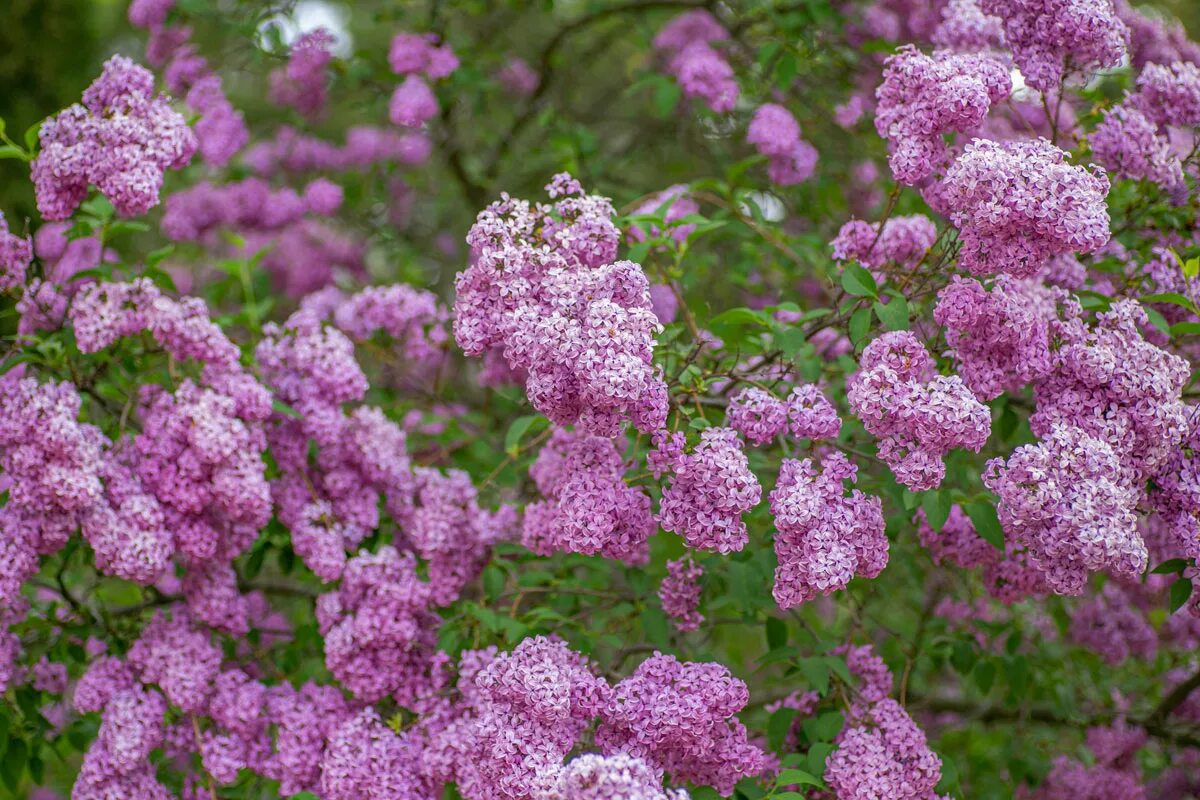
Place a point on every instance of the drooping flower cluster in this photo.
(710, 489)
(545, 288)
(680, 718)
(904, 242)
(412, 55)
(823, 538)
(121, 140)
(701, 70)
(1114, 773)
(966, 29)
(379, 630)
(245, 206)
(1129, 146)
(881, 752)
(1019, 204)
(533, 704)
(756, 414)
(678, 204)
(680, 593)
(331, 504)
(16, 253)
(775, 133)
(1114, 385)
(918, 415)
(1051, 40)
(811, 415)
(588, 507)
(922, 98)
(365, 146)
(1113, 626)
(1068, 501)
(1000, 338)
(595, 777)
(301, 84)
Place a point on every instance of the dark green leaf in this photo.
(987, 524)
(777, 633)
(936, 505)
(1171, 565)
(893, 314)
(797, 777)
(1179, 593)
(858, 281)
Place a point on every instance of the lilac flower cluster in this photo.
(16, 254)
(823, 537)
(248, 205)
(881, 752)
(588, 507)
(1155, 38)
(1019, 204)
(756, 414)
(700, 69)
(922, 98)
(365, 146)
(1110, 624)
(710, 489)
(966, 29)
(904, 241)
(680, 594)
(121, 140)
(544, 287)
(333, 503)
(301, 84)
(1115, 771)
(1000, 338)
(775, 133)
(918, 415)
(1068, 502)
(1051, 39)
(221, 130)
(378, 627)
(812, 415)
(1129, 146)
(413, 102)
(680, 718)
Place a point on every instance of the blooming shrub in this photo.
(604, 401)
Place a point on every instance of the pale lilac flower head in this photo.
(16, 253)
(756, 414)
(680, 593)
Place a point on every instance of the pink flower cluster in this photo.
(922, 98)
(1051, 39)
(1115, 771)
(364, 147)
(588, 507)
(881, 752)
(823, 538)
(543, 285)
(301, 84)
(918, 415)
(903, 242)
(966, 29)
(413, 102)
(1019, 204)
(701, 70)
(16, 254)
(1000, 338)
(710, 489)
(760, 416)
(380, 632)
(121, 140)
(775, 133)
(1110, 624)
(1068, 502)
(249, 205)
(221, 130)
(680, 593)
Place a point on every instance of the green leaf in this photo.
(987, 524)
(1185, 328)
(893, 314)
(818, 753)
(12, 151)
(985, 675)
(860, 324)
(859, 282)
(778, 726)
(516, 431)
(1173, 298)
(1179, 593)
(283, 408)
(639, 251)
(794, 777)
(1170, 566)
(777, 633)
(1191, 267)
(963, 657)
(654, 623)
(31, 136)
(816, 672)
(666, 97)
(13, 765)
(936, 505)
